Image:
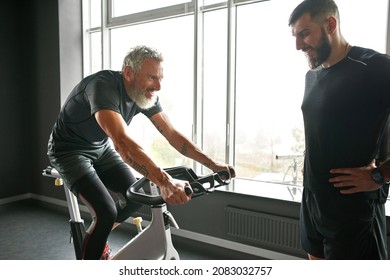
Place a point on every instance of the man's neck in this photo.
(338, 53)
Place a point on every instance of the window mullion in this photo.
(197, 131)
(86, 37)
(230, 96)
(105, 33)
(147, 16)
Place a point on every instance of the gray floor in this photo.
(31, 230)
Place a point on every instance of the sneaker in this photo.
(106, 253)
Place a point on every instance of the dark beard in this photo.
(323, 52)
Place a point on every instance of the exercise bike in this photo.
(153, 242)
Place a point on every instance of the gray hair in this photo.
(137, 55)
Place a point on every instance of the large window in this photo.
(214, 77)
(176, 92)
(269, 87)
(233, 80)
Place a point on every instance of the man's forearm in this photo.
(190, 150)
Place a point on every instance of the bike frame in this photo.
(154, 242)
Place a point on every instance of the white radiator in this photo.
(263, 230)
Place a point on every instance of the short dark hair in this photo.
(318, 10)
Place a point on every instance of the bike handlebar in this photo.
(199, 185)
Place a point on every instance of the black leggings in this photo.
(93, 191)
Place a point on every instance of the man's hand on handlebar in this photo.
(179, 185)
(224, 167)
(174, 192)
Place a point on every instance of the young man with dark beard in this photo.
(345, 109)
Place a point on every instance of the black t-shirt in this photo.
(345, 109)
(76, 126)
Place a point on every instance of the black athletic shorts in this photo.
(97, 168)
(339, 226)
(73, 165)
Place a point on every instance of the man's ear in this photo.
(331, 25)
(128, 73)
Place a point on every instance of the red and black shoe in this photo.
(106, 253)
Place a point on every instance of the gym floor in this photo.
(33, 230)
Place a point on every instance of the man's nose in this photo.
(298, 43)
(157, 84)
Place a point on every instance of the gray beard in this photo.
(140, 99)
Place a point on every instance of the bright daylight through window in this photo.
(233, 80)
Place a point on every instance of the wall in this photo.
(16, 94)
(59, 68)
(256, 221)
(40, 60)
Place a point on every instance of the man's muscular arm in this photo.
(133, 154)
(185, 146)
